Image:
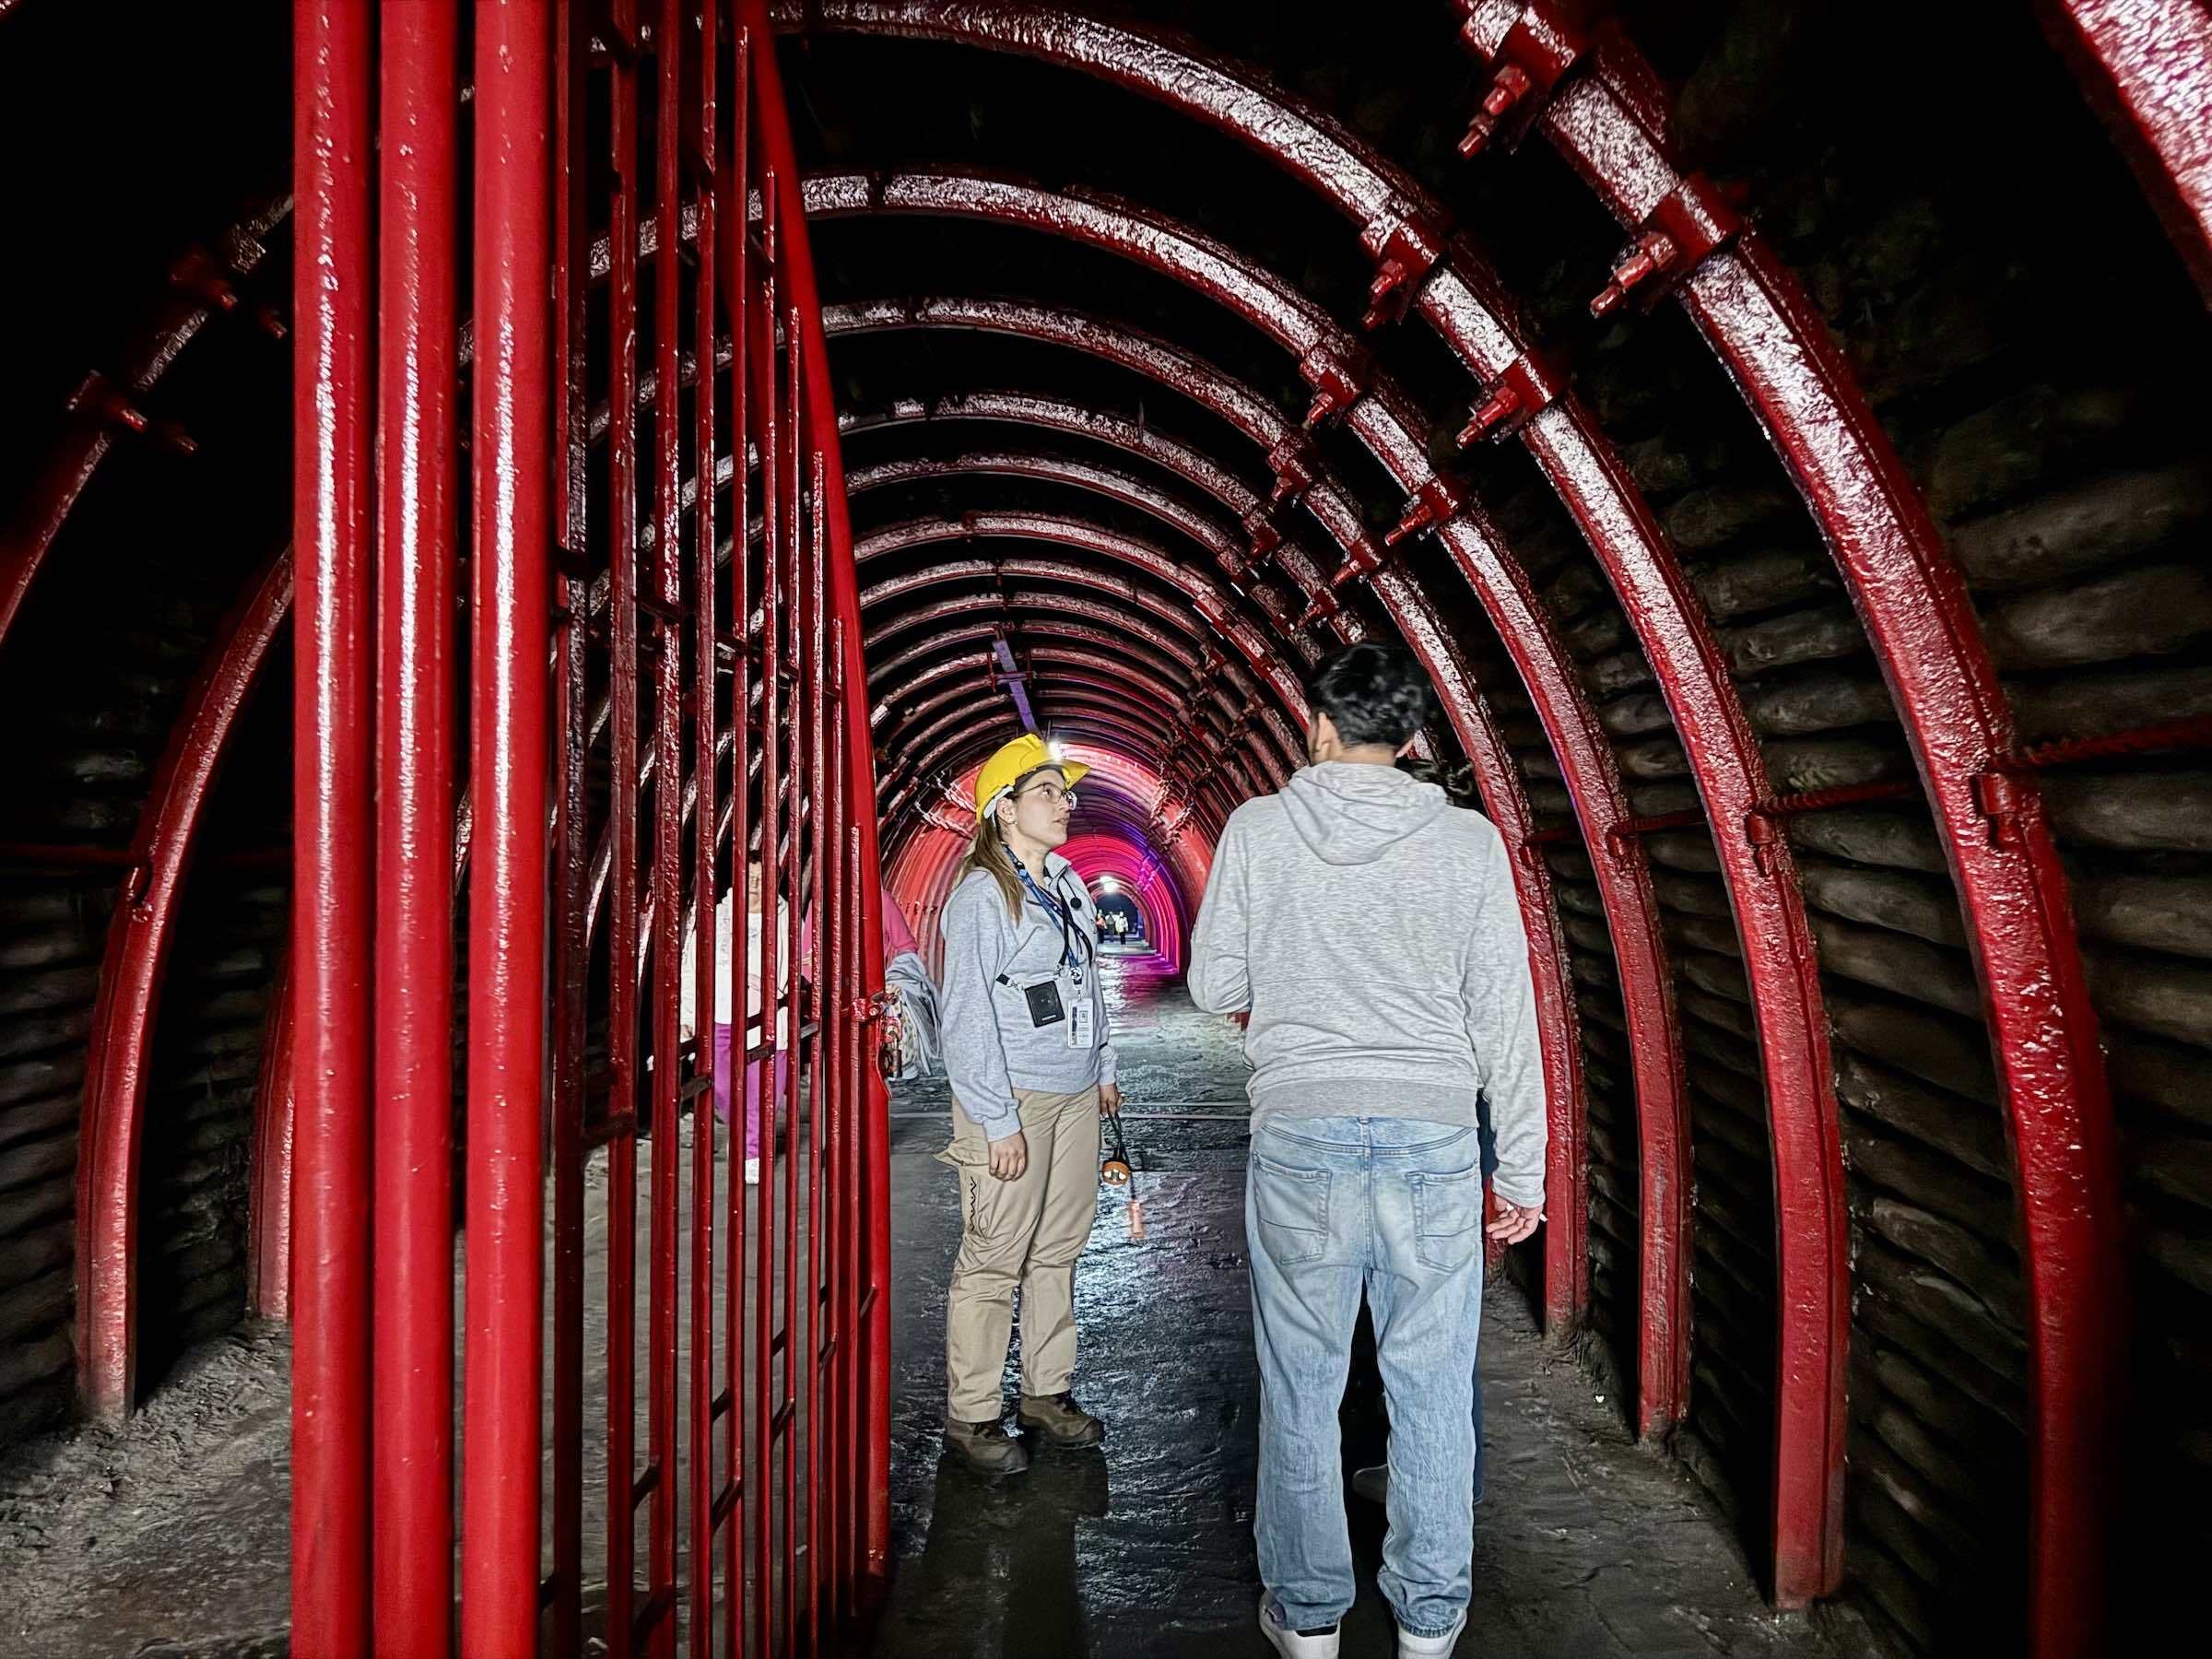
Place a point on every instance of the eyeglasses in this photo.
(1053, 794)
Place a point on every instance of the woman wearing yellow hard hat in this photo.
(1023, 1028)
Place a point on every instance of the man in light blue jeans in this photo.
(1375, 936)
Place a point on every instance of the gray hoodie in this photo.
(1373, 931)
(991, 1047)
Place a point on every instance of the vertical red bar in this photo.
(791, 583)
(764, 1287)
(781, 187)
(735, 285)
(622, 835)
(499, 1490)
(333, 753)
(823, 849)
(571, 851)
(667, 806)
(413, 1547)
(704, 821)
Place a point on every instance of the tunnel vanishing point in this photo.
(481, 476)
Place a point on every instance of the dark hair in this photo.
(1374, 693)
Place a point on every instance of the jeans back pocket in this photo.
(1447, 1218)
(1292, 1208)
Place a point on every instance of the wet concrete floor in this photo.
(169, 1537)
(1585, 1545)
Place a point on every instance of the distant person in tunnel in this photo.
(1027, 1049)
(759, 1074)
(1374, 936)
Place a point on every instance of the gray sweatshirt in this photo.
(991, 1046)
(1373, 931)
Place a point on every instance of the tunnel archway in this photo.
(1831, 670)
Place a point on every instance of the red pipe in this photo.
(2146, 69)
(622, 834)
(706, 630)
(512, 452)
(269, 1199)
(412, 1451)
(1922, 624)
(119, 1048)
(666, 873)
(332, 107)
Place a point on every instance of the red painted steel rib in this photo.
(1214, 605)
(572, 734)
(1379, 419)
(2146, 69)
(1403, 232)
(119, 1048)
(706, 630)
(858, 782)
(1504, 798)
(107, 411)
(622, 834)
(1998, 840)
(512, 451)
(333, 108)
(734, 286)
(412, 1552)
(666, 873)
(269, 1199)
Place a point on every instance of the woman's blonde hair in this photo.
(988, 851)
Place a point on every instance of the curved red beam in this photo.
(1996, 838)
(964, 751)
(2146, 69)
(1209, 601)
(110, 412)
(979, 707)
(1097, 641)
(1023, 615)
(1497, 775)
(120, 1047)
(1379, 419)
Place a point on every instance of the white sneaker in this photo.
(1373, 1483)
(1432, 1647)
(1295, 1644)
(752, 1171)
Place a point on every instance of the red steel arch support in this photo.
(1586, 756)
(1405, 232)
(333, 106)
(1208, 600)
(131, 969)
(1504, 798)
(2146, 69)
(1997, 839)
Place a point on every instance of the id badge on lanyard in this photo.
(1082, 1014)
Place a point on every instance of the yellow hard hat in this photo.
(1014, 762)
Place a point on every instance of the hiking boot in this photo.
(1060, 1419)
(987, 1446)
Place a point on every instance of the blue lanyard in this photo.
(1057, 907)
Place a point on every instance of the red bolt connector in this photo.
(196, 274)
(1406, 247)
(1531, 383)
(1292, 461)
(1653, 253)
(1434, 504)
(1339, 371)
(1508, 88)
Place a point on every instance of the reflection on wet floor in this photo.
(1585, 1545)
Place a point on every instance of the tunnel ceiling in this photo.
(1831, 647)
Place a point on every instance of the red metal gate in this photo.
(664, 686)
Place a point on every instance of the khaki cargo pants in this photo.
(1026, 1232)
